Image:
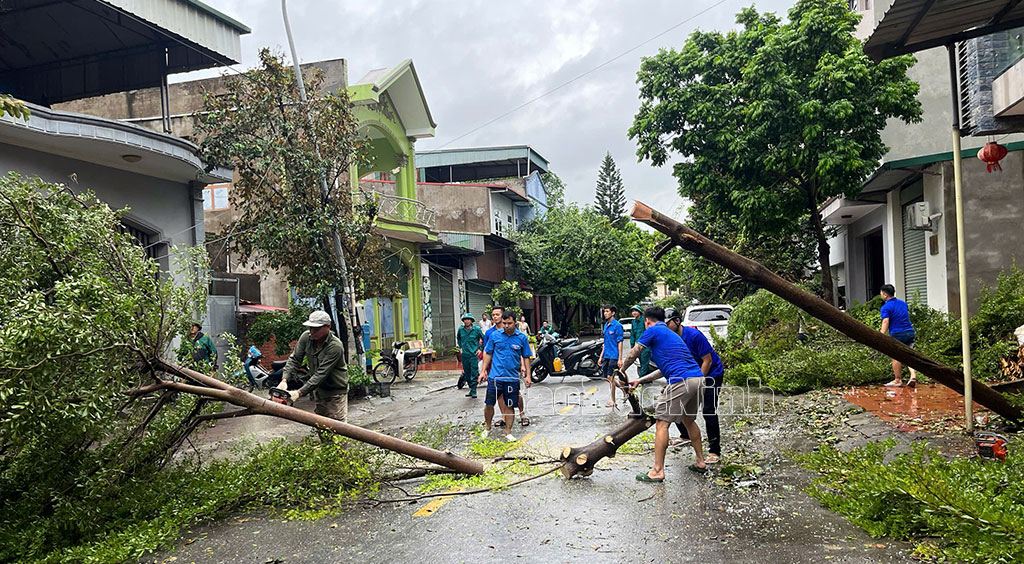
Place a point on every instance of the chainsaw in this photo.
(991, 445)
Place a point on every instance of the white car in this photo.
(709, 317)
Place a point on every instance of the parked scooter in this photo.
(259, 377)
(400, 361)
(566, 357)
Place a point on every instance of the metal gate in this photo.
(221, 314)
(442, 302)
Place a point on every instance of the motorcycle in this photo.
(399, 361)
(259, 377)
(566, 357)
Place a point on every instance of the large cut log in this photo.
(213, 388)
(757, 274)
(580, 461)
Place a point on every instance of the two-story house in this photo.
(901, 229)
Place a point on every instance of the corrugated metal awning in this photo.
(909, 26)
(56, 51)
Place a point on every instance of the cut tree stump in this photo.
(580, 461)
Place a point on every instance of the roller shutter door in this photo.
(443, 306)
(479, 297)
(915, 270)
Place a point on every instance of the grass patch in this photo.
(972, 507)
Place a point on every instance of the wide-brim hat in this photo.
(467, 315)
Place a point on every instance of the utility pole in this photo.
(355, 330)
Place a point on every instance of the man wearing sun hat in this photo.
(327, 377)
(470, 341)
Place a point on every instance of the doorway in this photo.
(874, 263)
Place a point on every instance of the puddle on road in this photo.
(912, 409)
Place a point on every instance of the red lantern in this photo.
(992, 153)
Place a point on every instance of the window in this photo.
(709, 315)
(215, 197)
(146, 240)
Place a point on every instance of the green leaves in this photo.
(771, 120)
(575, 255)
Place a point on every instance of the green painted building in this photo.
(393, 113)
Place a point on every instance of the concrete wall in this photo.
(143, 106)
(491, 265)
(158, 205)
(993, 221)
(936, 263)
(458, 208)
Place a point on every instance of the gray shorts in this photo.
(679, 400)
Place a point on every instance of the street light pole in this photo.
(355, 330)
(961, 254)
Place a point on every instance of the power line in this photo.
(581, 75)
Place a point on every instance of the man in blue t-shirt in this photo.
(714, 374)
(680, 400)
(506, 357)
(496, 313)
(611, 350)
(896, 323)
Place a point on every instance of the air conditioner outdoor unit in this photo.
(918, 213)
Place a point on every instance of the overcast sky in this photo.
(478, 59)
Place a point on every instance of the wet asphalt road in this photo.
(608, 517)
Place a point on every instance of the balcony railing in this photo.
(400, 209)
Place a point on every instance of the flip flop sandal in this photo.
(698, 469)
(524, 421)
(709, 460)
(911, 383)
(500, 423)
(645, 478)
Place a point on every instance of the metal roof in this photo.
(56, 51)
(909, 26)
(402, 85)
(465, 165)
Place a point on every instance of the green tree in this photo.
(508, 295)
(82, 312)
(281, 149)
(788, 255)
(572, 254)
(773, 119)
(555, 188)
(610, 196)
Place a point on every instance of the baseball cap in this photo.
(317, 319)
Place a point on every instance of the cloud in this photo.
(479, 59)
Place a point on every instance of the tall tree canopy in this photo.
(773, 119)
(571, 254)
(610, 197)
(281, 150)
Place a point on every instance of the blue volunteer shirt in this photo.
(670, 353)
(507, 352)
(699, 346)
(487, 335)
(612, 337)
(895, 310)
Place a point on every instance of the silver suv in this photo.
(709, 317)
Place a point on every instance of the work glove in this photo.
(294, 395)
(283, 385)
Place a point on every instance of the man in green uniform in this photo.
(636, 329)
(470, 341)
(202, 346)
(327, 376)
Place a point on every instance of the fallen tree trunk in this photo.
(206, 386)
(755, 273)
(580, 461)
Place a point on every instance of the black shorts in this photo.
(608, 366)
